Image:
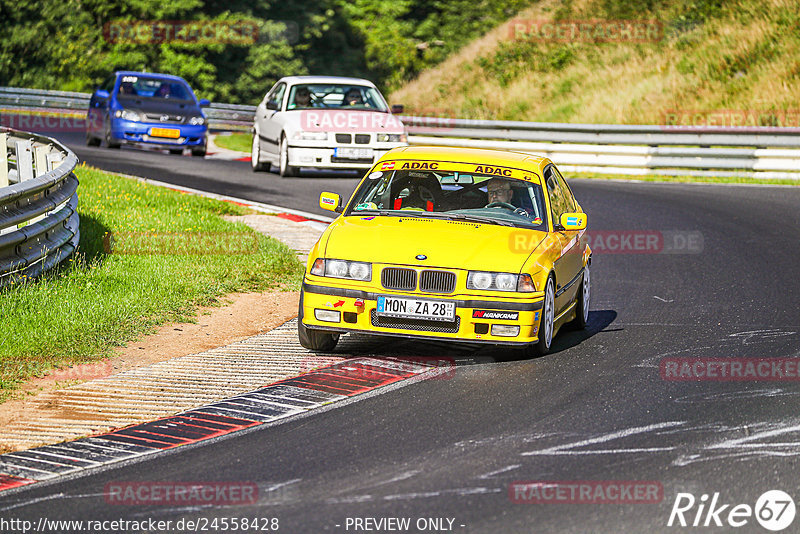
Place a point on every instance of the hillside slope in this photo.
(724, 62)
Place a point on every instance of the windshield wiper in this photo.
(478, 218)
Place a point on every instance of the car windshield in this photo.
(451, 195)
(141, 86)
(336, 96)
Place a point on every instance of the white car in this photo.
(323, 122)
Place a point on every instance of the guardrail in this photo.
(759, 152)
(225, 117)
(38, 205)
(762, 152)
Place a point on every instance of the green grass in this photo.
(235, 141)
(99, 300)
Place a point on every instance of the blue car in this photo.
(147, 109)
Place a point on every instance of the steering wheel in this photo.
(502, 205)
(523, 212)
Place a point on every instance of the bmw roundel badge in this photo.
(422, 257)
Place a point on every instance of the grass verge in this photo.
(235, 141)
(147, 256)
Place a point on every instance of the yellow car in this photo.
(478, 246)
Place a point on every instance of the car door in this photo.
(98, 107)
(568, 264)
(269, 126)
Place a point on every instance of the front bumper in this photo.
(323, 157)
(139, 133)
(466, 328)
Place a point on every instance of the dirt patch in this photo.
(243, 315)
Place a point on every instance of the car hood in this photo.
(160, 106)
(448, 244)
(344, 120)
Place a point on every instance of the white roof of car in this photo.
(291, 80)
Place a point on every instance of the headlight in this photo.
(197, 121)
(127, 115)
(310, 136)
(354, 270)
(500, 282)
(391, 138)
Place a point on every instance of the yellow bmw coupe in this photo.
(468, 245)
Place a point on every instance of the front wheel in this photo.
(255, 155)
(110, 143)
(546, 321)
(582, 306)
(315, 340)
(286, 170)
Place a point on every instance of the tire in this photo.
(286, 171)
(315, 340)
(583, 300)
(255, 155)
(546, 321)
(110, 143)
(92, 140)
(199, 152)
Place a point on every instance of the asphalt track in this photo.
(596, 408)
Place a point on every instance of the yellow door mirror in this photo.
(573, 221)
(330, 202)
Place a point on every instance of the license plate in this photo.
(434, 310)
(353, 153)
(172, 133)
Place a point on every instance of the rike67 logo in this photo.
(774, 510)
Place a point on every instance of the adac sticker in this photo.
(420, 165)
(497, 171)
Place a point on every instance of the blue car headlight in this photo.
(197, 121)
(127, 115)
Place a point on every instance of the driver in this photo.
(302, 97)
(499, 190)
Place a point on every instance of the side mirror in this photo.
(573, 221)
(330, 202)
(272, 104)
(397, 109)
(204, 102)
(102, 93)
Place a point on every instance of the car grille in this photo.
(437, 282)
(362, 139)
(403, 279)
(415, 324)
(344, 138)
(167, 119)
